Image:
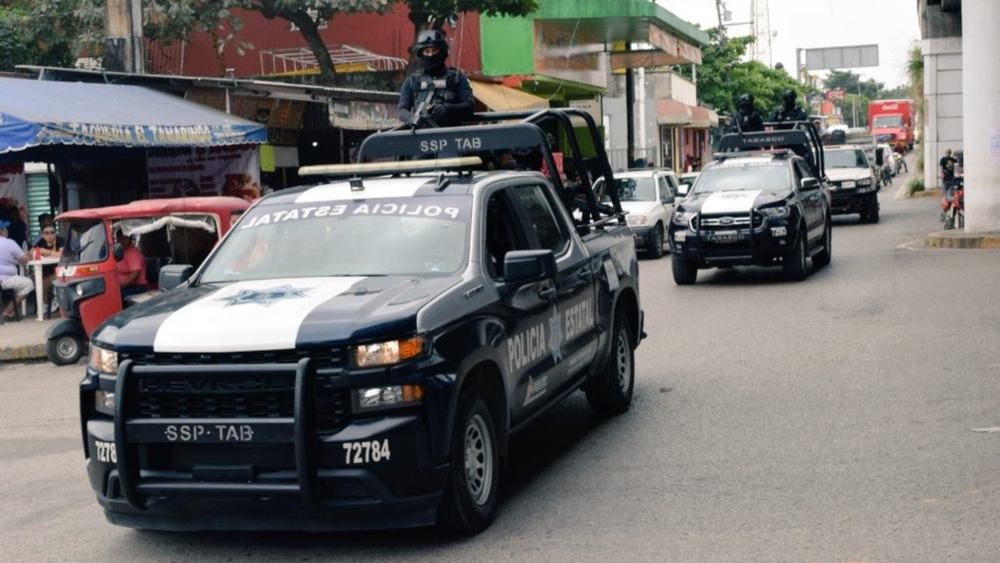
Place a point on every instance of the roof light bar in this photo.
(379, 168)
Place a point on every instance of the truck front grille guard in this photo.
(302, 432)
(747, 222)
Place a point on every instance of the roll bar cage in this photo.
(509, 131)
(801, 138)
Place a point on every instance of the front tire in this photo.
(685, 271)
(656, 248)
(471, 493)
(822, 258)
(795, 263)
(873, 213)
(612, 393)
(65, 349)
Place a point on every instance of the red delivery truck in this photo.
(891, 121)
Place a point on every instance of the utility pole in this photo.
(123, 47)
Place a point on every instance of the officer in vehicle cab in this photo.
(789, 110)
(437, 95)
(747, 119)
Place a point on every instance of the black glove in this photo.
(439, 112)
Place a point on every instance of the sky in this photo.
(814, 24)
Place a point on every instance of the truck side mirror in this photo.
(810, 184)
(525, 266)
(682, 190)
(173, 275)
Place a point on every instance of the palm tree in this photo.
(915, 70)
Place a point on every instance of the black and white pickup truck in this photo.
(356, 354)
(764, 201)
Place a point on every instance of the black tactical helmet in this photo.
(431, 38)
(789, 96)
(746, 102)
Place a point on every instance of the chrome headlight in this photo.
(103, 361)
(776, 212)
(684, 217)
(104, 401)
(388, 352)
(381, 398)
(634, 219)
(865, 182)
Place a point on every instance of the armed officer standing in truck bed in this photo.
(789, 112)
(437, 96)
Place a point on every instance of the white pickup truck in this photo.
(648, 197)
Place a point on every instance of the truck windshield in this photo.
(884, 121)
(365, 237)
(86, 243)
(845, 159)
(629, 189)
(744, 176)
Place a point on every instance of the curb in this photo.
(962, 240)
(21, 353)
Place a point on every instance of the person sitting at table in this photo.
(131, 269)
(49, 246)
(11, 256)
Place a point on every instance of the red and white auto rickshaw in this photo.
(166, 231)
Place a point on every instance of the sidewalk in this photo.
(25, 340)
(954, 238)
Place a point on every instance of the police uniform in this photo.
(437, 95)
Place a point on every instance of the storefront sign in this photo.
(204, 171)
(558, 55)
(12, 185)
(363, 116)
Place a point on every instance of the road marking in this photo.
(990, 430)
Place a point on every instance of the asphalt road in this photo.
(852, 417)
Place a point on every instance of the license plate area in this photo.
(726, 237)
(218, 431)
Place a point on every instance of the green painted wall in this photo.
(508, 46)
(508, 43)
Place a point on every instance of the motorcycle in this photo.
(182, 230)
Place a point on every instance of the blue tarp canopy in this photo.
(38, 113)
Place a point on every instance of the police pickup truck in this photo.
(356, 354)
(763, 201)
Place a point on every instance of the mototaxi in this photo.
(166, 231)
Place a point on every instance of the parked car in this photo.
(648, 197)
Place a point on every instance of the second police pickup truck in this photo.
(356, 354)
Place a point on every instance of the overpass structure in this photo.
(960, 50)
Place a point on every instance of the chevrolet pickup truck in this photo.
(356, 354)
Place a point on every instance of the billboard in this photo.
(831, 58)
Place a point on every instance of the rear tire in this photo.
(65, 349)
(612, 393)
(822, 258)
(795, 263)
(474, 476)
(656, 248)
(685, 271)
(873, 213)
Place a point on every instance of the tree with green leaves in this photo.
(724, 75)
(48, 32)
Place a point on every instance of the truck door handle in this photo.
(585, 274)
(547, 293)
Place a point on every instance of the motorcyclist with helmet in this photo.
(789, 112)
(437, 95)
(747, 119)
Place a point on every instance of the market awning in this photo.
(672, 112)
(703, 118)
(37, 113)
(497, 97)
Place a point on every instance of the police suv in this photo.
(357, 353)
(763, 202)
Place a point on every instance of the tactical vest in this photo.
(443, 89)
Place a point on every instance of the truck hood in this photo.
(734, 202)
(276, 314)
(639, 207)
(841, 174)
